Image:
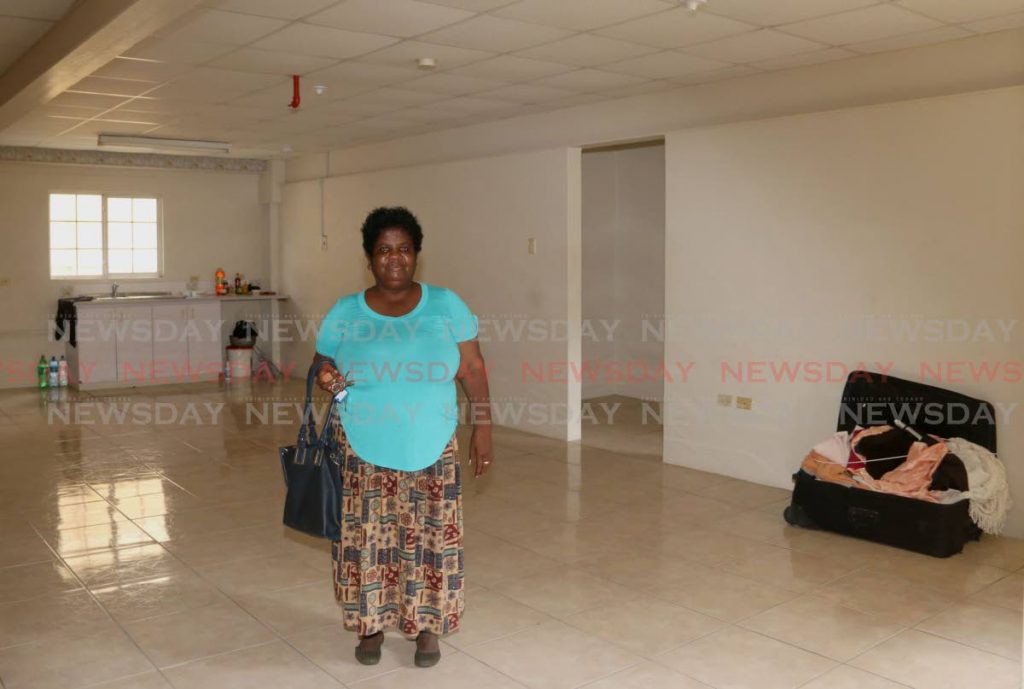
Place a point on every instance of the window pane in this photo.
(119, 261)
(90, 207)
(119, 235)
(145, 260)
(62, 235)
(62, 206)
(144, 210)
(90, 235)
(63, 262)
(90, 262)
(119, 210)
(145, 236)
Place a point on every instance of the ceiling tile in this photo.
(292, 9)
(469, 105)
(452, 84)
(1010, 21)
(217, 26)
(114, 87)
(512, 68)
(582, 15)
(210, 84)
(656, 86)
(962, 11)
(473, 5)
(51, 10)
(399, 98)
(392, 18)
(572, 101)
(587, 50)
(665, 65)
(716, 75)
(88, 100)
(763, 13)
(858, 26)
(495, 34)
(68, 111)
(271, 62)
(361, 74)
(753, 45)
(17, 36)
(145, 70)
(406, 53)
(918, 38)
(676, 28)
(812, 58)
(526, 93)
(324, 41)
(590, 80)
(178, 52)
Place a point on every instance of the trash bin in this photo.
(240, 361)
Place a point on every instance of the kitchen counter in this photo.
(150, 299)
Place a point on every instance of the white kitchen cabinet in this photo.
(134, 335)
(94, 360)
(170, 343)
(205, 348)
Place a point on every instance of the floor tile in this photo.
(29, 581)
(270, 666)
(823, 627)
(739, 659)
(72, 663)
(925, 661)
(647, 675)
(185, 636)
(459, 671)
(992, 629)
(1006, 593)
(846, 677)
(528, 656)
(160, 595)
(490, 615)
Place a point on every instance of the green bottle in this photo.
(42, 369)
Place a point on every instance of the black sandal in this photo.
(426, 658)
(367, 656)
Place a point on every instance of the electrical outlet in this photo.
(725, 400)
(323, 243)
(745, 403)
(531, 246)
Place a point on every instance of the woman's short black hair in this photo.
(381, 219)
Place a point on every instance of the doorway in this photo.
(623, 296)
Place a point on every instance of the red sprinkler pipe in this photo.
(296, 96)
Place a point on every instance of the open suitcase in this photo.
(871, 399)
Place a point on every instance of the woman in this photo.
(402, 343)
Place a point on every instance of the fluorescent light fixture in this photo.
(157, 142)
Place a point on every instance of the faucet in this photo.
(113, 290)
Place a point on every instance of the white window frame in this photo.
(107, 275)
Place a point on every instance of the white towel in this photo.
(988, 490)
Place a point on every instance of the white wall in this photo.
(623, 266)
(477, 216)
(211, 219)
(788, 237)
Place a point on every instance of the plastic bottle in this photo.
(220, 284)
(227, 371)
(52, 379)
(41, 372)
(238, 283)
(62, 372)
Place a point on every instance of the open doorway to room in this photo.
(623, 296)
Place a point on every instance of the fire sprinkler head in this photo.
(319, 89)
(426, 63)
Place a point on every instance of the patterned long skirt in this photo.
(399, 563)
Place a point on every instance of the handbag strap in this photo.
(308, 418)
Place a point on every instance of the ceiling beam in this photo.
(92, 34)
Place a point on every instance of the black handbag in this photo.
(312, 473)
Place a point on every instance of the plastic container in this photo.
(239, 362)
(62, 372)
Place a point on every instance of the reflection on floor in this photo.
(141, 546)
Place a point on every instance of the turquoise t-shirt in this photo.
(402, 411)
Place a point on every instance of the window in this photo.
(93, 235)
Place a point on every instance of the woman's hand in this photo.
(327, 375)
(480, 450)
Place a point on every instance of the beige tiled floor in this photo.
(151, 555)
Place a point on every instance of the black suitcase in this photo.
(871, 399)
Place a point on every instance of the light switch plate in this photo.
(531, 246)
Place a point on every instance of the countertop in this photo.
(129, 300)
